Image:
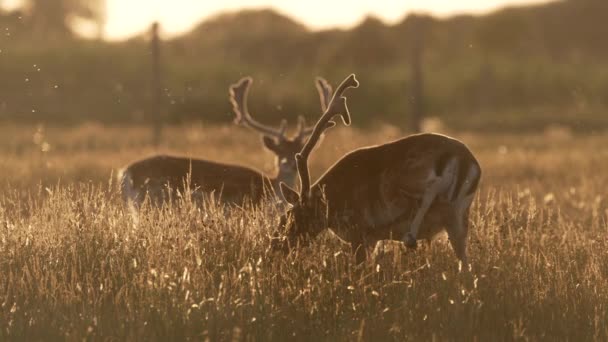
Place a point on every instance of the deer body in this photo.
(375, 193)
(157, 176)
(408, 189)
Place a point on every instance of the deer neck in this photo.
(319, 212)
(284, 174)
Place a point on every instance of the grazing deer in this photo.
(154, 176)
(408, 189)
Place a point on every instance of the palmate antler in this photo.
(238, 97)
(325, 92)
(336, 106)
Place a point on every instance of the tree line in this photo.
(518, 67)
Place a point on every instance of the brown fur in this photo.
(373, 193)
(156, 177)
(229, 183)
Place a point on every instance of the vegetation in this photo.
(75, 266)
(520, 68)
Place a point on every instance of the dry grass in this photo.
(73, 265)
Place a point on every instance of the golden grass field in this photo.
(74, 267)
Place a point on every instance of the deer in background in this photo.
(155, 176)
(408, 189)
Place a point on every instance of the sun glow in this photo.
(128, 17)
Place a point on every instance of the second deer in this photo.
(155, 177)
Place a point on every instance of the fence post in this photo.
(417, 91)
(157, 102)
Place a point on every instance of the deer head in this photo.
(306, 215)
(274, 139)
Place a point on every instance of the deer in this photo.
(406, 190)
(155, 176)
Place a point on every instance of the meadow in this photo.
(74, 266)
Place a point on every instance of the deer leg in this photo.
(427, 199)
(457, 229)
(458, 224)
(438, 184)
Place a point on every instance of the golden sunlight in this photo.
(130, 17)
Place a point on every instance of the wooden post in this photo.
(157, 102)
(417, 91)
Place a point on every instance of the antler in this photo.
(325, 91)
(337, 106)
(238, 97)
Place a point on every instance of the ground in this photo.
(74, 266)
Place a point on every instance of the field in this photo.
(74, 266)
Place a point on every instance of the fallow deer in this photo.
(408, 189)
(231, 184)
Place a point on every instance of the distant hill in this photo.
(561, 29)
(255, 36)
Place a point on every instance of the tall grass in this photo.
(74, 265)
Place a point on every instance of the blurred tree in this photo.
(371, 43)
(251, 36)
(97, 12)
(417, 78)
(496, 68)
(55, 18)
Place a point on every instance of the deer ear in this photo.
(270, 143)
(291, 196)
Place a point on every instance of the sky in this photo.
(129, 17)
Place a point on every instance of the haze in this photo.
(129, 17)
